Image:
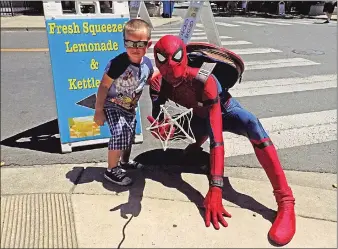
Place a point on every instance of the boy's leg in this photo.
(125, 155)
(240, 121)
(125, 161)
(113, 158)
(118, 142)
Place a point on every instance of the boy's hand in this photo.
(99, 117)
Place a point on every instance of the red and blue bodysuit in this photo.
(176, 81)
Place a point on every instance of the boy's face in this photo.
(136, 45)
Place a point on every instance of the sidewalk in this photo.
(72, 206)
(38, 22)
(287, 16)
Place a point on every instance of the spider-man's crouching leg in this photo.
(239, 121)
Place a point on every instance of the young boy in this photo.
(121, 87)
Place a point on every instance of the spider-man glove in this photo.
(214, 208)
(161, 132)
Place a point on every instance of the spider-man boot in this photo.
(284, 226)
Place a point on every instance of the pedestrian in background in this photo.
(328, 9)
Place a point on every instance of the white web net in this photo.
(172, 125)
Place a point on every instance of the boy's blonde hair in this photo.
(136, 25)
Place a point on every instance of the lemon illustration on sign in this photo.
(83, 127)
(71, 122)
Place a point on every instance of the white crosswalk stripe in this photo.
(227, 43)
(287, 131)
(196, 38)
(274, 23)
(296, 22)
(159, 35)
(291, 62)
(169, 31)
(249, 23)
(277, 86)
(264, 22)
(243, 51)
(226, 24)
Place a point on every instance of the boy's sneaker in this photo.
(131, 165)
(118, 175)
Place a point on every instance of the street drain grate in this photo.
(37, 221)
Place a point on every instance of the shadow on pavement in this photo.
(44, 138)
(40, 138)
(166, 168)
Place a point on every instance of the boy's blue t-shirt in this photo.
(129, 81)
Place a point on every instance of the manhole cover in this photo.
(308, 52)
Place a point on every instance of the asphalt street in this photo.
(29, 132)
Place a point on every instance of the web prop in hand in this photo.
(174, 124)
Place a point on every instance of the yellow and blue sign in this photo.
(79, 51)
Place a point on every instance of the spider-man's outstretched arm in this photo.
(213, 201)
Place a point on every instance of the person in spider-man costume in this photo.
(216, 112)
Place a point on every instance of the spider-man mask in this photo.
(171, 59)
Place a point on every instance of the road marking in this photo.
(284, 85)
(167, 31)
(295, 22)
(275, 23)
(194, 38)
(235, 42)
(205, 38)
(223, 43)
(226, 24)
(255, 51)
(244, 51)
(288, 81)
(291, 62)
(24, 50)
(162, 34)
(200, 25)
(249, 23)
(288, 131)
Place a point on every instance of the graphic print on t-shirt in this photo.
(125, 89)
(129, 80)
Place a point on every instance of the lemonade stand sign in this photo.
(80, 47)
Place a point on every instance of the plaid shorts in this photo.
(122, 126)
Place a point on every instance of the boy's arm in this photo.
(157, 98)
(112, 71)
(151, 70)
(102, 92)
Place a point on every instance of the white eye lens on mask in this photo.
(178, 55)
(160, 57)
